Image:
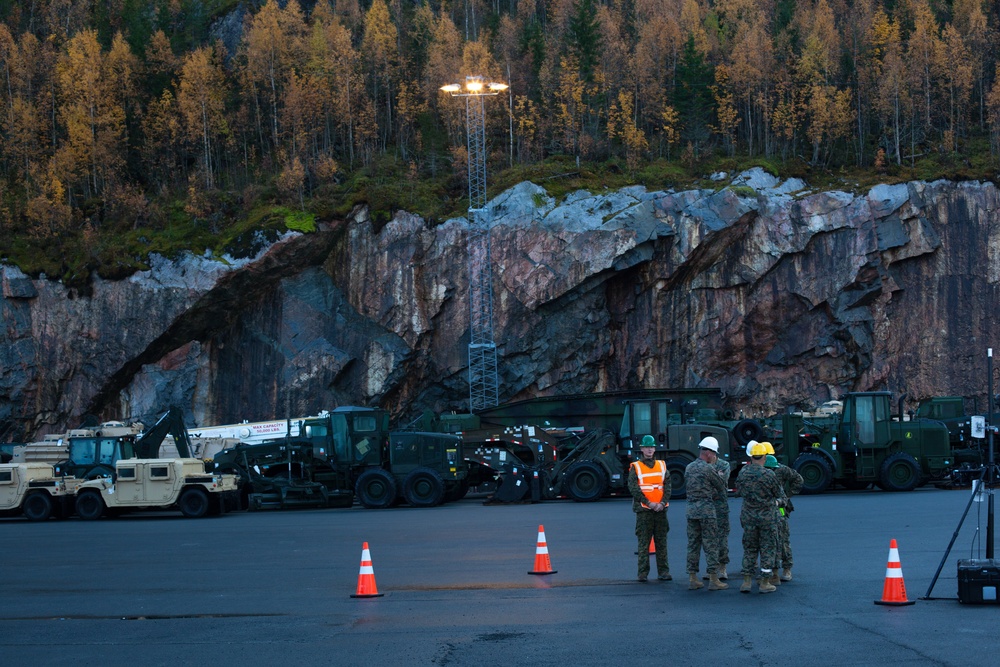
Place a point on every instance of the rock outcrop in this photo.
(778, 295)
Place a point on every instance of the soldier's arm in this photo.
(718, 483)
(667, 488)
(795, 481)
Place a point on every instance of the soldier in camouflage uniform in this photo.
(704, 488)
(722, 516)
(649, 502)
(760, 491)
(791, 483)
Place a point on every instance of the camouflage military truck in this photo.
(144, 484)
(33, 490)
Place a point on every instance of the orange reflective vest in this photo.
(651, 479)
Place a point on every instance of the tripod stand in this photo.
(987, 477)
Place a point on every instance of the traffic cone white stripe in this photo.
(367, 569)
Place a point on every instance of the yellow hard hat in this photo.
(769, 447)
(758, 449)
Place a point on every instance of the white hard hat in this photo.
(709, 443)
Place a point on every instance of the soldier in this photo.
(722, 516)
(791, 483)
(704, 488)
(649, 483)
(760, 491)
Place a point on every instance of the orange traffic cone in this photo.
(542, 563)
(366, 577)
(894, 591)
(652, 547)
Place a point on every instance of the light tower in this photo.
(483, 381)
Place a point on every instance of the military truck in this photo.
(144, 484)
(354, 444)
(32, 489)
(865, 445)
(542, 463)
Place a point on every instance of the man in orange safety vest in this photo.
(649, 483)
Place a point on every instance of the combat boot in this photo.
(722, 573)
(747, 583)
(715, 585)
(693, 583)
(764, 585)
(786, 574)
(775, 580)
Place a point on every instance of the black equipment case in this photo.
(978, 581)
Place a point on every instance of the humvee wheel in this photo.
(423, 488)
(815, 470)
(37, 506)
(193, 502)
(89, 505)
(899, 472)
(586, 482)
(376, 489)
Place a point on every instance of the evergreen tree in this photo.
(693, 95)
(584, 38)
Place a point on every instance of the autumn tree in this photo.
(381, 57)
(272, 47)
(201, 103)
(92, 113)
(888, 71)
(954, 75)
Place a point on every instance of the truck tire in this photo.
(423, 488)
(747, 430)
(899, 472)
(675, 467)
(89, 505)
(376, 489)
(37, 506)
(193, 502)
(816, 472)
(586, 482)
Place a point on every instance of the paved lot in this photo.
(274, 588)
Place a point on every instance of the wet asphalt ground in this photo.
(273, 588)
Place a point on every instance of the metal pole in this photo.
(989, 436)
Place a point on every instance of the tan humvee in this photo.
(158, 484)
(33, 489)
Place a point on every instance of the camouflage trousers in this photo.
(703, 534)
(783, 551)
(760, 539)
(652, 525)
(722, 518)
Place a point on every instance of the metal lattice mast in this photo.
(483, 376)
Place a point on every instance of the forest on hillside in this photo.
(128, 121)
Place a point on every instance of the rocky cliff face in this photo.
(782, 297)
